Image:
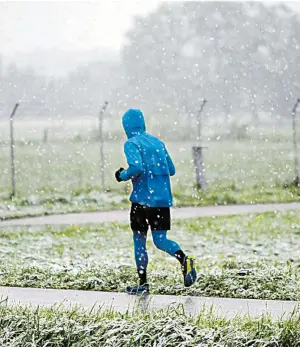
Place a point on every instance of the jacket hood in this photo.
(133, 123)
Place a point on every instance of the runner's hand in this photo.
(117, 174)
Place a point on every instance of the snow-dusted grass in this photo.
(62, 177)
(22, 327)
(252, 256)
(74, 167)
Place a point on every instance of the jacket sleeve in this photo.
(134, 160)
(171, 165)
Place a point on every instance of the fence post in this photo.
(45, 138)
(102, 160)
(198, 154)
(199, 167)
(12, 152)
(199, 121)
(296, 162)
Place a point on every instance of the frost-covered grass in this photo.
(253, 256)
(51, 203)
(58, 177)
(25, 327)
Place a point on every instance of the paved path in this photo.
(122, 215)
(122, 302)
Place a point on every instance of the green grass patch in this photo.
(65, 177)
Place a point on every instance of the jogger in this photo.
(149, 169)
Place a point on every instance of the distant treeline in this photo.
(241, 57)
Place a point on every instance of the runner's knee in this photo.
(139, 240)
(160, 239)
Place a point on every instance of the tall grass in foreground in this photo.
(24, 327)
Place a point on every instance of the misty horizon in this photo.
(83, 32)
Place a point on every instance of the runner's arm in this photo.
(134, 161)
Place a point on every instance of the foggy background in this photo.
(63, 59)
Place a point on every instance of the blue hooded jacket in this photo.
(150, 165)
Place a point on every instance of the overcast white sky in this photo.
(69, 25)
(64, 25)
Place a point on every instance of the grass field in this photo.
(252, 256)
(61, 177)
(23, 327)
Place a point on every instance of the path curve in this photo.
(123, 215)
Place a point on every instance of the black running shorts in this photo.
(141, 217)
